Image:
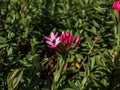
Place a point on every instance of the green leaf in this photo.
(68, 89)
(79, 57)
(98, 60)
(73, 85)
(88, 40)
(94, 31)
(95, 23)
(14, 78)
(84, 81)
(56, 76)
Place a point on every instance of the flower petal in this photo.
(51, 46)
(57, 41)
(56, 34)
(70, 39)
(48, 38)
(77, 40)
(118, 6)
(49, 43)
(52, 35)
(114, 6)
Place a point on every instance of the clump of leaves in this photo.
(27, 63)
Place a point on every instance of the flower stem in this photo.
(61, 64)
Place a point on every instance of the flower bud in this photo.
(77, 40)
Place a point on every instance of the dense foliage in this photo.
(26, 63)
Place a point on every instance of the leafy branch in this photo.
(90, 50)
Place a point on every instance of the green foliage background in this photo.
(26, 63)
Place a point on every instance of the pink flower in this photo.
(116, 5)
(66, 38)
(53, 40)
(77, 41)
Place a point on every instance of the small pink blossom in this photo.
(66, 38)
(116, 5)
(53, 40)
(77, 41)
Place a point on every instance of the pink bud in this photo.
(114, 6)
(118, 6)
(63, 36)
(70, 39)
(77, 40)
(67, 34)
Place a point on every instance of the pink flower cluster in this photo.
(66, 38)
(116, 5)
(53, 40)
